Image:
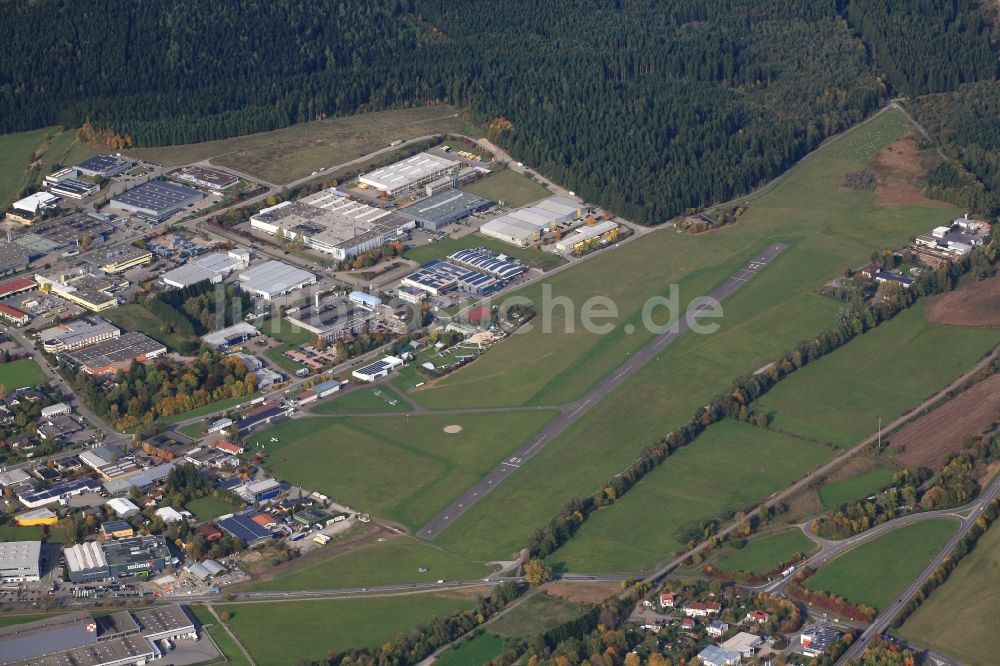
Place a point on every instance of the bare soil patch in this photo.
(584, 593)
(975, 303)
(902, 171)
(927, 441)
(452, 429)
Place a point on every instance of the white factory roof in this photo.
(274, 277)
(188, 274)
(36, 514)
(169, 515)
(122, 506)
(401, 174)
(36, 201)
(20, 554)
(560, 206)
(83, 556)
(14, 476)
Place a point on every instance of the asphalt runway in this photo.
(574, 411)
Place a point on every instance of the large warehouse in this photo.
(105, 166)
(440, 277)
(94, 560)
(331, 223)
(444, 208)
(273, 278)
(414, 171)
(114, 354)
(526, 225)
(77, 333)
(334, 320)
(19, 561)
(214, 267)
(157, 200)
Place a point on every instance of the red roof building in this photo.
(14, 315)
(209, 532)
(264, 520)
(760, 617)
(16, 286)
(229, 447)
(667, 600)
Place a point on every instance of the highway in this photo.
(574, 411)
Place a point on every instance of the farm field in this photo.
(479, 650)
(17, 374)
(534, 616)
(876, 571)
(835, 493)
(441, 248)
(436, 465)
(744, 465)
(969, 600)
(380, 563)
(16, 154)
(974, 303)
(226, 646)
(928, 440)
(286, 154)
(512, 188)
(880, 374)
(361, 400)
(826, 229)
(209, 507)
(761, 555)
(313, 629)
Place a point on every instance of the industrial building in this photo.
(378, 369)
(58, 493)
(19, 561)
(414, 171)
(264, 414)
(78, 333)
(444, 208)
(232, 335)
(105, 166)
(210, 179)
(214, 267)
(574, 240)
(334, 319)
(526, 225)
(78, 285)
(273, 278)
(64, 174)
(51, 235)
(35, 204)
(13, 315)
(112, 355)
(122, 638)
(117, 259)
(486, 261)
(157, 200)
(135, 556)
(367, 301)
(440, 277)
(13, 258)
(41, 516)
(72, 188)
(333, 224)
(243, 527)
(16, 286)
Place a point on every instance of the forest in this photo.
(646, 108)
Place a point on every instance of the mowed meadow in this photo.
(827, 229)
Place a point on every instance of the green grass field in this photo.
(16, 154)
(763, 554)
(11, 620)
(857, 487)
(285, 331)
(210, 408)
(18, 374)
(277, 354)
(969, 602)
(209, 507)
(440, 249)
(273, 632)
(380, 563)
(512, 188)
(229, 649)
(137, 317)
(478, 651)
(731, 466)
(284, 155)
(534, 616)
(362, 400)
(876, 571)
(412, 468)
(881, 374)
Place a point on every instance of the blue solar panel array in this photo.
(242, 527)
(482, 259)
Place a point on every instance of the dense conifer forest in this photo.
(645, 107)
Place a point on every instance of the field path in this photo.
(211, 609)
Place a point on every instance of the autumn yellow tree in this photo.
(537, 572)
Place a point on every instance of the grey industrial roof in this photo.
(445, 206)
(401, 174)
(105, 164)
(116, 350)
(20, 554)
(274, 277)
(158, 196)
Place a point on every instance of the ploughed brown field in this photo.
(927, 441)
(975, 303)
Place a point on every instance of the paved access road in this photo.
(885, 618)
(574, 411)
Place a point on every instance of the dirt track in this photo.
(973, 304)
(927, 441)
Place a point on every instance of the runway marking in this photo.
(587, 402)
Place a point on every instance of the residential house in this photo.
(702, 608)
(716, 628)
(714, 655)
(667, 599)
(759, 617)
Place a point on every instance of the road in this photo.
(574, 411)
(886, 617)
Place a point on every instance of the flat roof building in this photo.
(13, 258)
(157, 200)
(440, 277)
(273, 278)
(211, 179)
(603, 230)
(444, 208)
(232, 335)
(71, 188)
(19, 561)
(331, 223)
(113, 355)
(41, 516)
(36, 203)
(141, 555)
(77, 333)
(526, 225)
(334, 319)
(78, 285)
(117, 259)
(378, 369)
(214, 267)
(414, 171)
(105, 166)
(63, 491)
